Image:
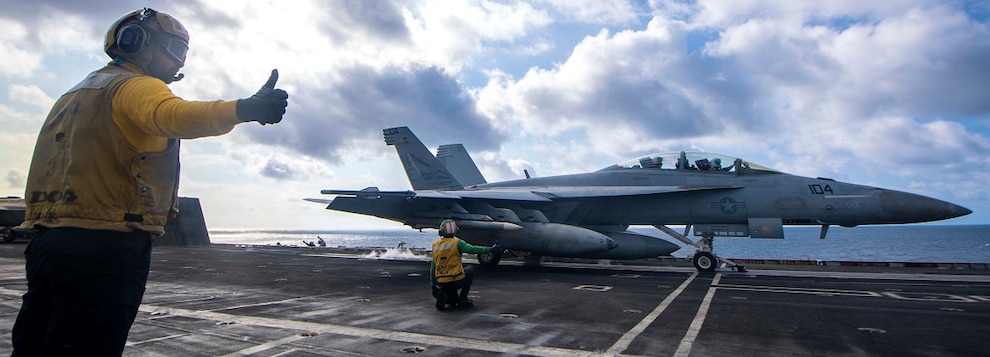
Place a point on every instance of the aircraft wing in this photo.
(551, 193)
(373, 192)
(571, 192)
(532, 194)
(318, 200)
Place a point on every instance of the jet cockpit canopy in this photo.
(693, 161)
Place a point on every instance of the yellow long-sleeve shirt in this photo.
(148, 114)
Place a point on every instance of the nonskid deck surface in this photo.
(270, 301)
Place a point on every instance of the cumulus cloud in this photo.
(596, 11)
(501, 169)
(18, 60)
(453, 34)
(351, 111)
(279, 165)
(632, 87)
(14, 118)
(358, 20)
(878, 92)
(31, 95)
(15, 178)
(779, 72)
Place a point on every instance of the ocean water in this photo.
(901, 243)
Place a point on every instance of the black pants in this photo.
(464, 285)
(84, 290)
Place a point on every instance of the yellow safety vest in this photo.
(85, 174)
(447, 260)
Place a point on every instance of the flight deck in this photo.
(229, 300)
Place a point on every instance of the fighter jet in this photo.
(11, 215)
(587, 215)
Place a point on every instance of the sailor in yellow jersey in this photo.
(447, 273)
(103, 182)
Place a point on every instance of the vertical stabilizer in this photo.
(423, 169)
(457, 160)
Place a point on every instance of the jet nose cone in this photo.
(903, 207)
(962, 211)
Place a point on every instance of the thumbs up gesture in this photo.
(266, 106)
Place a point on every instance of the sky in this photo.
(891, 94)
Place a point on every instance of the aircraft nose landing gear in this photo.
(704, 259)
(707, 262)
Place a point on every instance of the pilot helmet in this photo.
(130, 35)
(448, 228)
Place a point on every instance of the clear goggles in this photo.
(174, 47)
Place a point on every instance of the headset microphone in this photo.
(178, 77)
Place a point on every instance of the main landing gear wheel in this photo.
(490, 259)
(705, 261)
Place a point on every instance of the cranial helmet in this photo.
(129, 36)
(448, 228)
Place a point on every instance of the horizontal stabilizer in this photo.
(318, 200)
(370, 191)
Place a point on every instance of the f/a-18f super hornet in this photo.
(12, 215)
(587, 215)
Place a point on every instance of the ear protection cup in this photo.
(131, 39)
